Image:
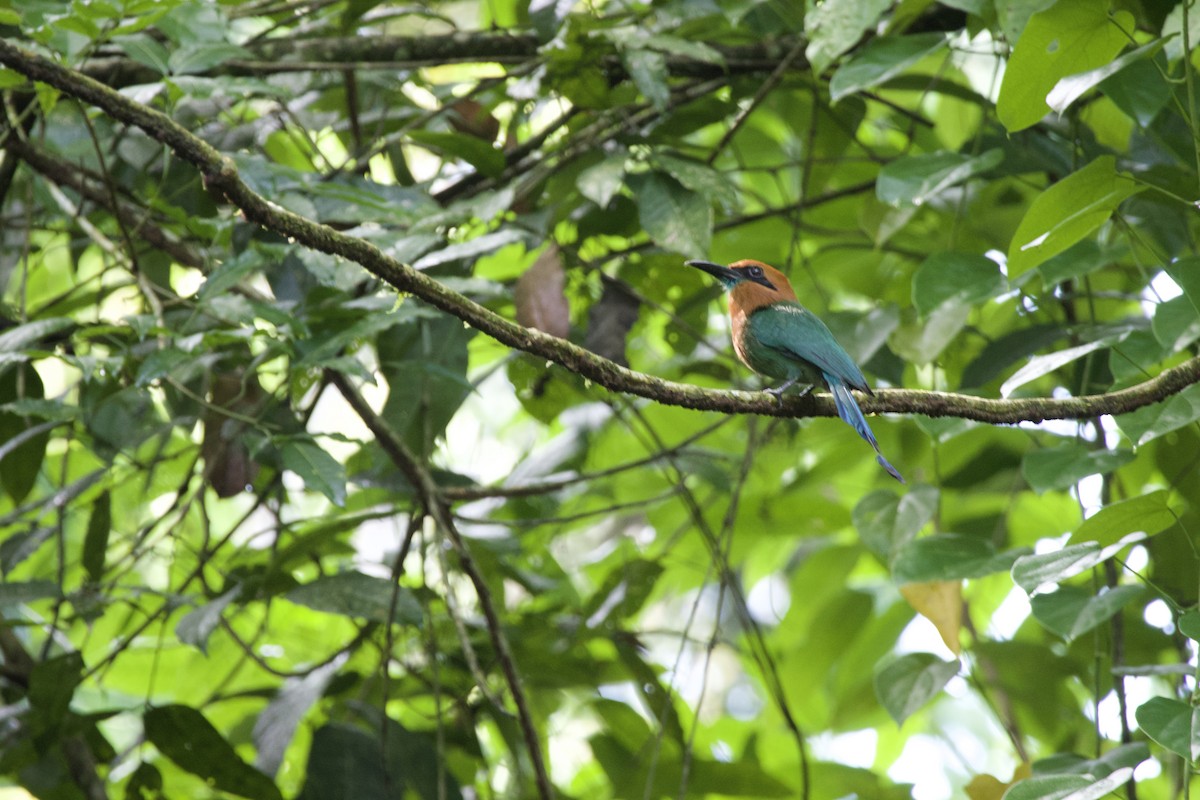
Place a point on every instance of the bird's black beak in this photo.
(724, 274)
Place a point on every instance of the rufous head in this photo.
(750, 284)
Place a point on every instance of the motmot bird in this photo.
(776, 336)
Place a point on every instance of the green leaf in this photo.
(1069, 787)
(1147, 514)
(345, 762)
(1045, 364)
(886, 521)
(1067, 212)
(1189, 625)
(23, 336)
(481, 155)
(425, 363)
(950, 556)
(1139, 90)
(17, 592)
(23, 440)
(276, 725)
(203, 56)
(601, 182)
(95, 542)
(1186, 272)
(1072, 87)
(1152, 421)
(195, 627)
(182, 734)
(353, 594)
(963, 278)
(676, 218)
(649, 71)
(1057, 468)
(914, 180)
(881, 60)
(1170, 723)
(470, 249)
(52, 685)
(1070, 37)
(1031, 571)
(146, 51)
(700, 178)
(907, 683)
(833, 28)
(319, 470)
(1071, 611)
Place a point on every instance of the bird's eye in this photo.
(756, 272)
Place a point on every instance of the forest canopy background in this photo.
(363, 434)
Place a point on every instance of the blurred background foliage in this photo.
(267, 529)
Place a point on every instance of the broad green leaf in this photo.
(1070, 37)
(425, 363)
(319, 470)
(51, 686)
(1152, 421)
(417, 759)
(950, 556)
(195, 627)
(1045, 364)
(353, 594)
(700, 178)
(1170, 723)
(344, 761)
(95, 542)
(1172, 30)
(24, 336)
(482, 155)
(962, 278)
(1056, 468)
(1071, 611)
(1186, 272)
(276, 725)
(601, 182)
(182, 734)
(1031, 571)
(1189, 625)
(833, 28)
(1076, 261)
(1067, 212)
(676, 218)
(886, 521)
(1070, 88)
(913, 180)
(203, 56)
(1147, 514)
(470, 249)
(881, 60)
(16, 592)
(921, 341)
(649, 72)
(1069, 787)
(1139, 90)
(910, 681)
(23, 440)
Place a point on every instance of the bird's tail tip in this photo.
(883, 462)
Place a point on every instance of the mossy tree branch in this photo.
(221, 176)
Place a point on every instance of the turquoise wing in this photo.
(786, 332)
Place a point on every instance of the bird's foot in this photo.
(778, 391)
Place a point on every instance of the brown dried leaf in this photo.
(469, 117)
(540, 297)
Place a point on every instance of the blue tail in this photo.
(852, 415)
